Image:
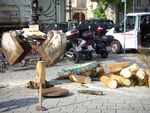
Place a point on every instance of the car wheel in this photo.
(115, 47)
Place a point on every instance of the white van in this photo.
(137, 32)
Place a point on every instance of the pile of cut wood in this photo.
(112, 75)
(123, 74)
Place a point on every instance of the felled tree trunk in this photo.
(129, 71)
(133, 68)
(148, 74)
(107, 81)
(140, 74)
(126, 73)
(115, 67)
(80, 79)
(149, 81)
(121, 80)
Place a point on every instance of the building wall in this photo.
(17, 10)
(141, 5)
(56, 11)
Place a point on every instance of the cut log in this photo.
(126, 73)
(121, 80)
(147, 72)
(114, 67)
(40, 72)
(80, 79)
(87, 73)
(140, 74)
(107, 81)
(99, 69)
(133, 68)
(149, 81)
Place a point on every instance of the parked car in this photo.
(97, 26)
(64, 26)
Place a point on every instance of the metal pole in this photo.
(133, 6)
(59, 11)
(70, 6)
(56, 11)
(124, 25)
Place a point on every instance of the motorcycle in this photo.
(100, 46)
(72, 49)
(77, 47)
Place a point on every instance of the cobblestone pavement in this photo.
(16, 98)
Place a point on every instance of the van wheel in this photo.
(115, 47)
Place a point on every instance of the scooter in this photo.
(100, 46)
(77, 47)
(72, 49)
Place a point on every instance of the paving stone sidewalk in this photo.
(16, 98)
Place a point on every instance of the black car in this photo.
(69, 28)
(64, 26)
(97, 26)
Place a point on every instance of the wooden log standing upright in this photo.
(40, 74)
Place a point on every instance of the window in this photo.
(130, 22)
(81, 3)
(137, 2)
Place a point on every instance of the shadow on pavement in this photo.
(16, 103)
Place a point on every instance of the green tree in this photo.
(110, 9)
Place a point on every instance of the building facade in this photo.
(141, 5)
(52, 11)
(82, 9)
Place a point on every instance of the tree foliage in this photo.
(103, 4)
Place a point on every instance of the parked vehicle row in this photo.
(81, 38)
